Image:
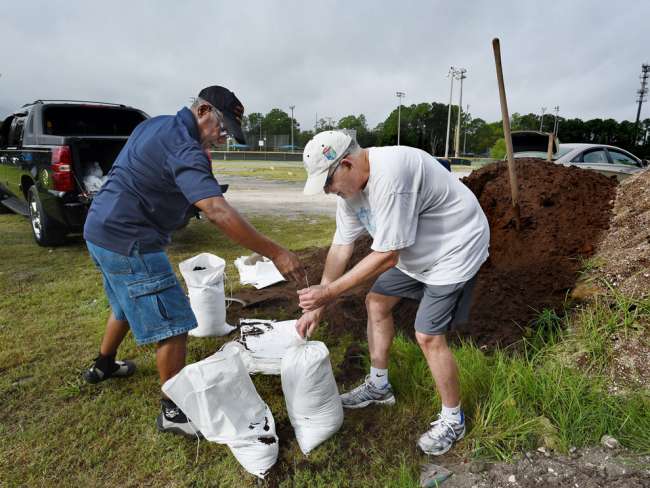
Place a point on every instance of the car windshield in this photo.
(91, 120)
(561, 152)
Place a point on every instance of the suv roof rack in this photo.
(74, 101)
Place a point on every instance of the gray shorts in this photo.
(441, 306)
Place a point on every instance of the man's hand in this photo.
(307, 324)
(289, 265)
(315, 297)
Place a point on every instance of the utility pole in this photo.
(465, 135)
(556, 109)
(292, 107)
(645, 72)
(461, 76)
(541, 120)
(399, 96)
(451, 74)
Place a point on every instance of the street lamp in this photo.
(451, 75)
(292, 107)
(399, 96)
(541, 121)
(556, 109)
(461, 76)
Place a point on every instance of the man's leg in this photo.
(170, 359)
(105, 366)
(170, 356)
(116, 331)
(381, 329)
(443, 367)
(376, 389)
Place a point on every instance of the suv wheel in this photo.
(46, 233)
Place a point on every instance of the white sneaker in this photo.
(442, 435)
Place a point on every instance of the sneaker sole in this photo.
(389, 401)
(176, 431)
(440, 453)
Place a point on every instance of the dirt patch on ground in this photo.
(624, 253)
(564, 211)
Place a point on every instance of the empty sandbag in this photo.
(218, 395)
(310, 392)
(258, 271)
(204, 275)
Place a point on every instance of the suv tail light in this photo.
(62, 168)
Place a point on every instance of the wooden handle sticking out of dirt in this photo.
(514, 188)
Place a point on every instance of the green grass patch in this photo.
(280, 170)
(57, 430)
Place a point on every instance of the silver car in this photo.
(608, 160)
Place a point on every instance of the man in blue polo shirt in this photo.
(160, 173)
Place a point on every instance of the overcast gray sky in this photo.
(333, 58)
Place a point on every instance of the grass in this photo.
(279, 170)
(57, 430)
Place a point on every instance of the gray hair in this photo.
(198, 101)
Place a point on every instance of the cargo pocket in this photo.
(160, 302)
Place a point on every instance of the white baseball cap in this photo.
(321, 153)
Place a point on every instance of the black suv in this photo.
(54, 155)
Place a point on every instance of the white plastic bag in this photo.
(94, 178)
(258, 271)
(203, 275)
(311, 394)
(266, 342)
(218, 395)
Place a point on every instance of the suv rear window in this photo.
(90, 121)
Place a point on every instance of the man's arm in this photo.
(337, 260)
(218, 211)
(369, 267)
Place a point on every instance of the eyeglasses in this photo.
(330, 175)
(220, 119)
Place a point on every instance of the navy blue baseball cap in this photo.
(229, 105)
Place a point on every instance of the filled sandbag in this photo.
(219, 397)
(310, 392)
(204, 275)
(266, 342)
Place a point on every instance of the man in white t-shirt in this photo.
(430, 237)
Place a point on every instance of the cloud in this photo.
(331, 57)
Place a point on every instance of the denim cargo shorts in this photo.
(143, 289)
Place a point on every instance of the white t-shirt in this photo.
(413, 204)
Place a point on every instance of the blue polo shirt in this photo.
(161, 171)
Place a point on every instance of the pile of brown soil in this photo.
(624, 253)
(563, 213)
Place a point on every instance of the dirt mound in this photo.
(624, 253)
(564, 211)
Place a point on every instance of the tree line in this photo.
(424, 125)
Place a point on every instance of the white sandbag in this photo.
(94, 178)
(219, 397)
(203, 275)
(258, 271)
(311, 394)
(266, 343)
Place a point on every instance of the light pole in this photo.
(465, 135)
(541, 120)
(461, 76)
(399, 96)
(451, 74)
(292, 107)
(556, 109)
